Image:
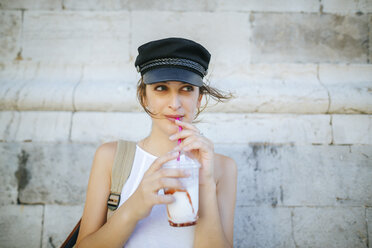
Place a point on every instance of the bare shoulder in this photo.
(225, 168)
(107, 149)
(105, 155)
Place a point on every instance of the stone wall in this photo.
(299, 127)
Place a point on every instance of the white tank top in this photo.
(154, 230)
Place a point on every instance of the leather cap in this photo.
(173, 59)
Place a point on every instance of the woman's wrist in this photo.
(130, 211)
(208, 185)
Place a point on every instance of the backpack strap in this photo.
(121, 169)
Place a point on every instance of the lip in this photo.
(173, 117)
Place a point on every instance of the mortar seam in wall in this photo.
(73, 101)
(329, 100)
(7, 127)
(130, 34)
(19, 57)
(42, 227)
(321, 7)
(368, 40)
(332, 134)
(366, 221)
(320, 11)
(292, 231)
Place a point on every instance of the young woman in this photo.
(171, 87)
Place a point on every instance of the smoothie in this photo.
(184, 210)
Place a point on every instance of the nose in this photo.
(175, 102)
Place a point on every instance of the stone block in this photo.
(329, 227)
(335, 74)
(270, 88)
(369, 225)
(173, 5)
(10, 34)
(34, 126)
(103, 127)
(52, 88)
(266, 128)
(78, 36)
(9, 172)
(31, 4)
(352, 129)
(347, 7)
(108, 88)
(226, 35)
(58, 223)
(301, 175)
(8, 129)
(21, 226)
(110, 97)
(13, 77)
(269, 5)
(259, 173)
(326, 175)
(92, 5)
(301, 38)
(263, 227)
(349, 86)
(56, 173)
(26, 85)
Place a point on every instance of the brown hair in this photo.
(205, 89)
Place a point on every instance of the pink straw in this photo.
(179, 140)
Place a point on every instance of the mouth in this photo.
(172, 118)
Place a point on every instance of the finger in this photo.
(191, 140)
(157, 164)
(171, 183)
(164, 199)
(183, 134)
(187, 125)
(201, 145)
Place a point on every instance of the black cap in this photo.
(173, 59)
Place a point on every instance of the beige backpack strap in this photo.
(121, 169)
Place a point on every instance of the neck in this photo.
(158, 143)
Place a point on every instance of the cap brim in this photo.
(172, 74)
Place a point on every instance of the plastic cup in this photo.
(184, 210)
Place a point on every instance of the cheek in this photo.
(191, 105)
(156, 104)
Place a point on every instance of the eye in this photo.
(188, 88)
(160, 88)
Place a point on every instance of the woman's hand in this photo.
(200, 148)
(155, 178)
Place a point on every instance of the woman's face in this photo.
(171, 99)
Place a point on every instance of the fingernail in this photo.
(171, 137)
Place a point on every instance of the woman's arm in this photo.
(217, 204)
(217, 192)
(94, 230)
